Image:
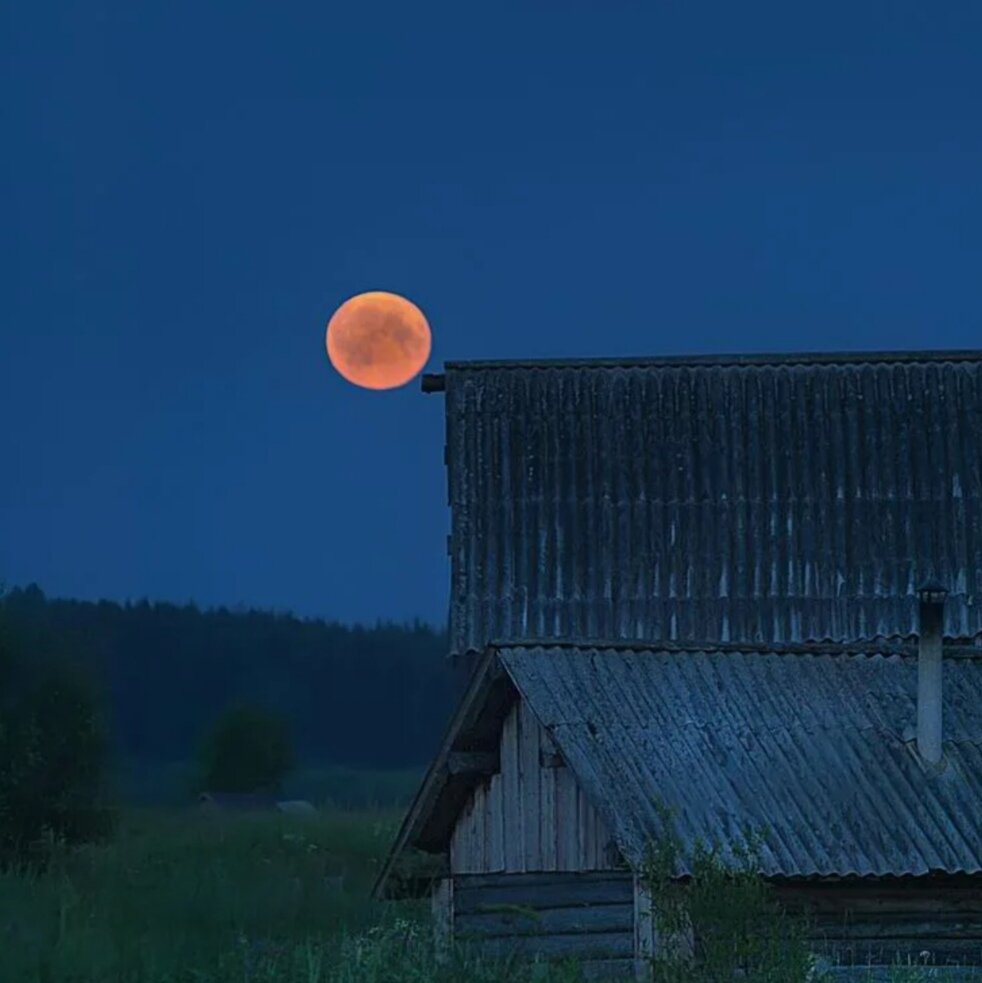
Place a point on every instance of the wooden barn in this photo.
(741, 588)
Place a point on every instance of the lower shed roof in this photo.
(812, 745)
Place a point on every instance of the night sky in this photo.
(193, 188)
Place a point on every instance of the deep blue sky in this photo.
(194, 187)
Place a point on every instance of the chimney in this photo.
(929, 642)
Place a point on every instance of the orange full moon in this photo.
(378, 340)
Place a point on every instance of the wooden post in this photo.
(644, 930)
(646, 941)
(442, 907)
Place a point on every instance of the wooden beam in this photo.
(473, 763)
(648, 943)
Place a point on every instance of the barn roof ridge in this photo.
(904, 646)
(735, 360)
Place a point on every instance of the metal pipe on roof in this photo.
(929, 675)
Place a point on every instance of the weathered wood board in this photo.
(532, 815)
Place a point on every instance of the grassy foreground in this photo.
(184, 899)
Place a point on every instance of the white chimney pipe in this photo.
(929, 654)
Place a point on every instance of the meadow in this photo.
(176, 897)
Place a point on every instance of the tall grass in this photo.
(177, 895)
(272, 899)
(187, 899)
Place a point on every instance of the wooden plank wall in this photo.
(561, 915)
(881, 922)
(532, 815)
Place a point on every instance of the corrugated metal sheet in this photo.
(810, 746)
(752, 499)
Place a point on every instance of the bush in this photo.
(249, 751)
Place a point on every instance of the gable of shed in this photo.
(532, 814)
(477, 769)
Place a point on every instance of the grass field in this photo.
(178, 898)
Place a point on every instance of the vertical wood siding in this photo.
(532, 815)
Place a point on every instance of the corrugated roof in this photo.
(816, 747)
(742, 497)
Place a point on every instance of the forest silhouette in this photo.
(354, 696)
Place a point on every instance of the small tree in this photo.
(53, 755)
(721, 923)
(249, 750)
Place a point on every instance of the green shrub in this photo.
(721, 922)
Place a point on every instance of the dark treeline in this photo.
(365, 697)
